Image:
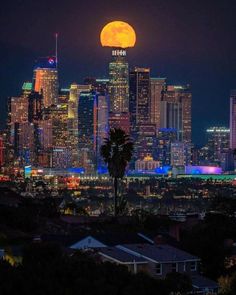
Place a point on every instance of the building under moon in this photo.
(118, 36)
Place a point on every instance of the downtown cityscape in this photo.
(103, 186)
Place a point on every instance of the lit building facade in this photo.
(233, 119)
(165, 136)
(217, 143)
(147, 164)
(120, 120)
(139, 99)
(73, 103)
(176, 107)
(180, 154)
(87, 129)
(157, 87)
(119, 82)
(45, 80)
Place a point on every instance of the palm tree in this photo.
(117, 152)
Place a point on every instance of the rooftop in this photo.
(161, 253)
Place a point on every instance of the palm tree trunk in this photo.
(115, 195)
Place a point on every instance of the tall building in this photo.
(120, 120)
(180, 154)
(176, 111)
(233, 119)
(157, 87)
(73, 103)
(217, 144)
(87, 128)
(102, 124)
(45, 80)
(165, 136)
(139, 99)
(119, 82)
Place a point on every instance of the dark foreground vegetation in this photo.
(46, 269)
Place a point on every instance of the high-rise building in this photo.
(139, 99)
(233, 119)
(120, 120)
(87, 128)
(165, 136)
(119, 82)
(75, 90)
(180, 154)
(45, 80)
(176, 111)
(217, 143)
(102, 124)
(146, 142)
(157, 87)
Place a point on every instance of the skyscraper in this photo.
(176, 111)
(75, 90)
(87, 128)
(157, 87)
(143, 132)
(102, 124)
(45, 80)
(217, 144)
(233, 119)
(119, 82)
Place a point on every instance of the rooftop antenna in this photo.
(56, 37)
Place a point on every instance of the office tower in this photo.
(58, 114)
(75, 90)
(165, 136)
(233, 119)
(139, 98)
(1, 151)
(87, 128)
(217, 144)
(63, 96)
(146, 142)
(180, 154)
(24, 143)
(120, 120)
(119, 82)
(45, 136)
(157, 87)
(98, 84)
(45, 80)
(35, 103)
(102, 125)
(176, 111)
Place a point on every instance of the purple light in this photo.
(203, 170)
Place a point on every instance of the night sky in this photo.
(187, 41)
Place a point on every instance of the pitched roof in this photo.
(120, 256)
(162, 253)
(200, 282)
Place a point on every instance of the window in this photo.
(193, 266)
(158, 269)
(174, 267)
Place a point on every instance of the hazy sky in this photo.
(187, 41)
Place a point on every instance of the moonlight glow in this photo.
(118, 34)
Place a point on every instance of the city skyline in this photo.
(200, 54)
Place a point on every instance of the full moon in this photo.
(118, 34)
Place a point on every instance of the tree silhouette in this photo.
(117, 152)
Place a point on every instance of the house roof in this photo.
(200, 282)
(118, 255)
(161, 253)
